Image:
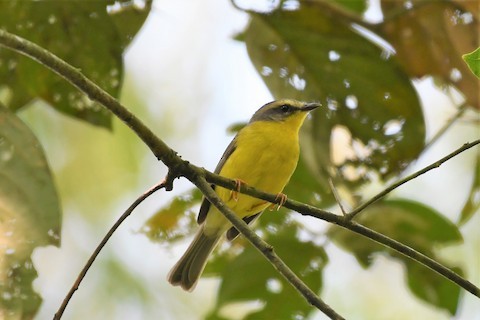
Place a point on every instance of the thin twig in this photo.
(264, 248)
(414, 175)
(461, 110)
(81, 276)
(337, 196)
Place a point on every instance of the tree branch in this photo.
(414, 175)
(448, 124)
(76, 284)
(264, 248)
(73, 75)
(388, 242)
(347, 223)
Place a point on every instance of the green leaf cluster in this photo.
(30, 213)
(263, 285)
(417, 226)
(60, 27)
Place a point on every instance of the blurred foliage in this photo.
(29, 214)
(90, 35)
(472, 204)
(313, 50)
(430, 38)
(357, 6)
(175, 221)
(259, 281)
(417, 226)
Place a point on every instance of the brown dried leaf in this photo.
(430, 38)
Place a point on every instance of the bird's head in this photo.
(286, 111)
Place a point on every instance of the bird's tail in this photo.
(188, 269)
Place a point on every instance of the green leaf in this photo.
(408, 222)
(29, 213)
(249, 277)
(358, 6)
(19, 300)
(175, 220)
(472, 60)
(417, 226)
(473, 202)
(128, 17)
(433, 288)
(309, 54)
(81, 32)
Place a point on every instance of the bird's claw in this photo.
(280, 200)
(234, 193)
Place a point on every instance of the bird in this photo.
(264, 155)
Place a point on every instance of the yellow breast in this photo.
(265, 157)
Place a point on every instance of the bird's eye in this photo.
(285, 108)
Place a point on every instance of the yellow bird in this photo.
(264, 155)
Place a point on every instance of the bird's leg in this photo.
(234, 193)
(281, 198)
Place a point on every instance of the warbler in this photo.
(264, 155)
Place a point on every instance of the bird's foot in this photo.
(234, 193)
(280, 200)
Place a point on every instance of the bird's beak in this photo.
(310, 106)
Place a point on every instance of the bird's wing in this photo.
(232, 233)
(202, 214)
